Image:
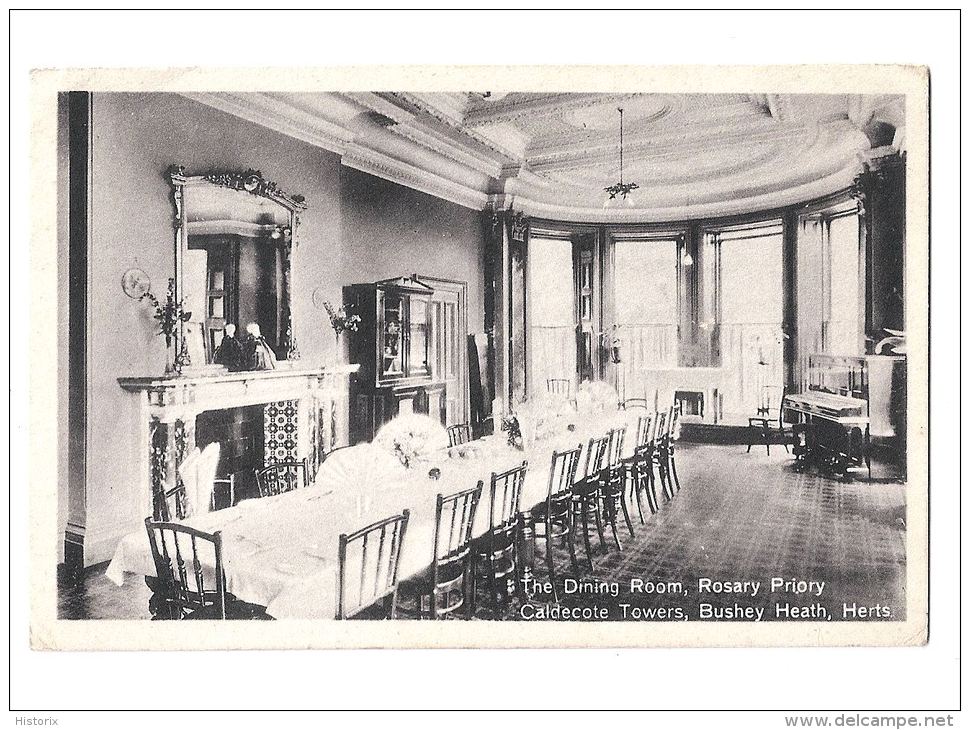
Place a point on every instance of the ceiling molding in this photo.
(693, 155)
(510, 108)
(274, 114)
(826, 186)
(403, 173)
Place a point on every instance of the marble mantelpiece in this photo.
(305, 417)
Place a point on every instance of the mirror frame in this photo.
(252, 182)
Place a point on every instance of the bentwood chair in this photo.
(613, 485)
(284, 476)
(367, 566)
(586, 493)
(190, 581)
(450, 579)
(554, 515)
(638, 467)
(659, 459)
(459, 434)
(560, 386)
(668, 454)
(499, 556)
(768, 424)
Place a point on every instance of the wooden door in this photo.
(448, 353)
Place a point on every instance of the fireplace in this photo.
(258, 418)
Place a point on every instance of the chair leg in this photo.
(673, 471)
(572, 550)
(550, 564)
(665, 478)
(468, 587)
(637, 486)
(626, 513)
(589, 549)
(597, 513)
(652, 490)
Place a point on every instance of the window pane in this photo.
(749, 335)
(646, 282)
(843, 326)
(551, 312)
(216, 308)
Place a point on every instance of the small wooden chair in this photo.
(449, 582)
(190, 582)
(560, 386)
(638, 466)
(284, 476)
(767, 425)
(458, 434)
(668, 448)
(586, 492)
(367, 578)
(659, 459)
(555, 514)
(613, 484)
(499, 556)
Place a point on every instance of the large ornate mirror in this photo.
(235, 232)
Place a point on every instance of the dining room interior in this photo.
(481, 356)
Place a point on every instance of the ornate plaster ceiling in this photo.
(551, 154)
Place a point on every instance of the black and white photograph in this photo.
(578, 357)
(486, 356)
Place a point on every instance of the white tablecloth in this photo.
(281, 552)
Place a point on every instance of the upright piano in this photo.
(849, 400)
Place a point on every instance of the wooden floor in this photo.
(738, 517)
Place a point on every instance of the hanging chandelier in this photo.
(620, 192)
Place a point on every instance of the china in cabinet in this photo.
(392, 345)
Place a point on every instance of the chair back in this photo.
(643, 431)
(616, 437)
(596, 457)
(770, 399)
(560, 386)
(190, 577)
(661, 428)
(460, 433)
(562, 472)
(454, 520)
(284, 476)
(632, 403)
(506, 492)
(367, 565)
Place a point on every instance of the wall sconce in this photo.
(279, 232)
(687, 259)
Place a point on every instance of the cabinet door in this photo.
(390, 354)
(418, 326)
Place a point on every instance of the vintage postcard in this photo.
(480, 357)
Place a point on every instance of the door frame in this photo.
(461, 289)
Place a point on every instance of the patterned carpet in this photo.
(739, 517)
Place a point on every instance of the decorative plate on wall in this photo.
(135, 283)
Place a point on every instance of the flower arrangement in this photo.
(341, 319)
(169, 314)
(411, 436)
(596, 396)
(510, 424)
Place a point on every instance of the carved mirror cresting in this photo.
(234, 237)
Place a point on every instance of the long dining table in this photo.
(280, 552)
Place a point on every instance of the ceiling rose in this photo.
(638, 109)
